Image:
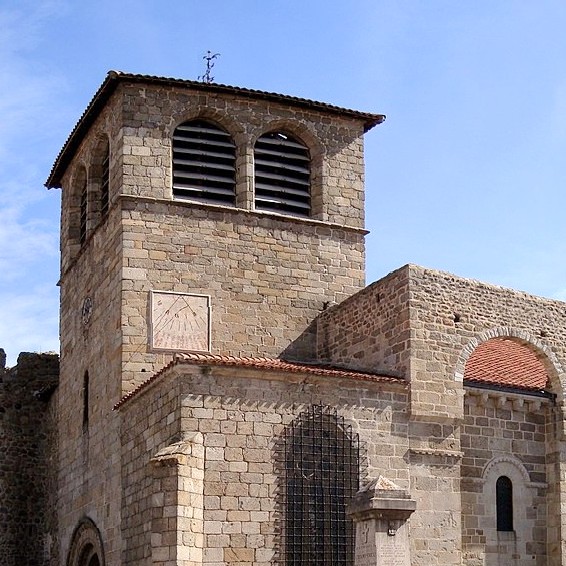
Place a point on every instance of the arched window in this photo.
(105, 182)
(100, 180)
(83, 211)
(320, 475)
(504, 503)
(204, 157)
(282, 174)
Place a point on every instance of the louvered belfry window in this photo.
(321, 468)
(204, 158)
(282, 174)
(105, 183)
(83, 211)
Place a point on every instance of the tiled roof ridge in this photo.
(259, 363)
(114, 77)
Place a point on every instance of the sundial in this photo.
(180, 322)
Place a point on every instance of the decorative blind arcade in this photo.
(203, 163)
(282, 174)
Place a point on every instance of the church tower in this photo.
(195, 218)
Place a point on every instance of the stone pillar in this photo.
(177, 524)
(380, 511)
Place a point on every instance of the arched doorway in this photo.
(86, 547)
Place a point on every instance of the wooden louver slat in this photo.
(204, 158)
(282, 174)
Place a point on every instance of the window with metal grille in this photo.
(282, 174)
(320, 470)
(83, 212)
(105, 183)
(504, 503)
(204, 157)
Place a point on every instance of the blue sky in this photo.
(466, 175)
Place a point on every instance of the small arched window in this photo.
(504, 503)
(282, 174)
(204, 163)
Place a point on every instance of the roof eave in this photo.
(113, 78)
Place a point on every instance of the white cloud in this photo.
(28, 229)
(33, 321)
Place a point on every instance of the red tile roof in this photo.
(269, 364)
(506, 363)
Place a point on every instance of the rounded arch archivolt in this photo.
(217, 118)
(296, 129)
(547, 357)
(86, 545)
(506, 465)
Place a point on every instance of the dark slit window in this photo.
(504, 503)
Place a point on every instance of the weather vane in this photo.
(209, 57)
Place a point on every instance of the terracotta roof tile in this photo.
(506, 363)
(269, 364)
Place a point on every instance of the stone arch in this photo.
(543, 352)
(221, 119)
(506, 465)
(86, 547)
(301, 131)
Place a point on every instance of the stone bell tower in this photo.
(195, 217)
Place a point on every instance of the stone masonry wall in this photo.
(268, 277)
(89, 461)
(370, 331)
(28, 529)
(150, 114)
(237, 417)
(503, 430)
(243, 259)
(447, 317)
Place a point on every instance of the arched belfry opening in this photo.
(282, 174)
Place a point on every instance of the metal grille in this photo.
(321, 473)
(282, 174)
(105, 184)
(204, 158)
